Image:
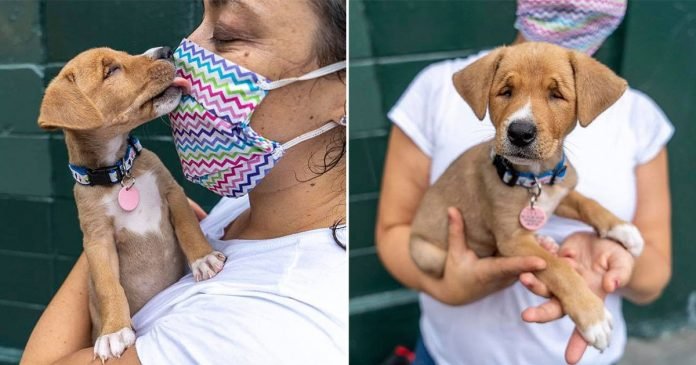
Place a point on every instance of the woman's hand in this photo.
(467, 277)
(604, 264)
(200, 213)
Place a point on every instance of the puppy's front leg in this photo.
(115, 334)
(578, 301)
(204, 262)
(577, 206)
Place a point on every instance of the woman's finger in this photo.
(535, 285)
(576, 348)
(619, 272)
(200, 213)
(546, 312)
(456, 238)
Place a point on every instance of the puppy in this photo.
(535, 93)
(135, 245)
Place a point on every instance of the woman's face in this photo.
(275, 38)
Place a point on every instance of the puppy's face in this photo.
(104, 88)
(535, 93)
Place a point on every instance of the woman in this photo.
(472, 314)
(282, 295)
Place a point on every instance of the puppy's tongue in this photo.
(182, 83)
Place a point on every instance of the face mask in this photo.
(217, 147)
(579, 25)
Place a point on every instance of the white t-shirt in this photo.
(605, 154)
(277, 301)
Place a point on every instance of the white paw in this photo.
(629, 236)
(599, 334)
(208, 266)
(113, 344)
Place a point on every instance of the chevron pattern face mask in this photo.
(217, 147)
(579, 25)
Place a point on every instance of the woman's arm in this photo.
(653, 268)
(63, 333)
(65, 325)
(467, 278)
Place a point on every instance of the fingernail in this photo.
(616, 284)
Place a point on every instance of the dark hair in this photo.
(331, 39)
(331, 48)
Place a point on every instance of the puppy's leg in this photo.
(204, 262)
(115, 334)
(429, 232)
(577, 206)
(578, 301)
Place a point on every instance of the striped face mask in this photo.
(579, 25)
(217, 147)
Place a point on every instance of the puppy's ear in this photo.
(474, 82)
(65, 106)
(596, 87)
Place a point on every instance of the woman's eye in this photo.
(222, 42)
(111, 70)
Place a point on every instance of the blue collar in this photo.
(108, 175)
(512, 177)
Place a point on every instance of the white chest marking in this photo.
(111, 149)
(146, 217)
(550, 197)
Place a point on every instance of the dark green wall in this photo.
(390, 41)
(40, 236)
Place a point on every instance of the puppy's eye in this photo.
(506, 92)
(555, 94)
(111, 70)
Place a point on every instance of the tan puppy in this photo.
(535, 93)
(97, 99)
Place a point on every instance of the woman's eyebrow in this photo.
(236, 5)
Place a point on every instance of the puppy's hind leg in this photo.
(428, 256)
(429, 234)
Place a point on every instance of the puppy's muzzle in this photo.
(521, 133)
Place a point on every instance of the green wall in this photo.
(390, 41)
(40, 236)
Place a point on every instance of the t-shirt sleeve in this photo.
(652, 128)
(416, 111)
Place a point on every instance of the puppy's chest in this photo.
(550, 197)
(147, 216)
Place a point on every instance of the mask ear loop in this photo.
(301, 138)
(266, 85)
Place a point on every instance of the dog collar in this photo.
(110, 174)
(512, 177)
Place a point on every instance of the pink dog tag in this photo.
(128, 199)
(532, 218)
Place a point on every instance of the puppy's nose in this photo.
(521, 133)
(159, 53)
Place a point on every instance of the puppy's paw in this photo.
(629, 236)
(548, 243)
(208, 266)
(598, 334)
(113, 344)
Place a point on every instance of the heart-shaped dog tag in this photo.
(128, 198)
(532, 218)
